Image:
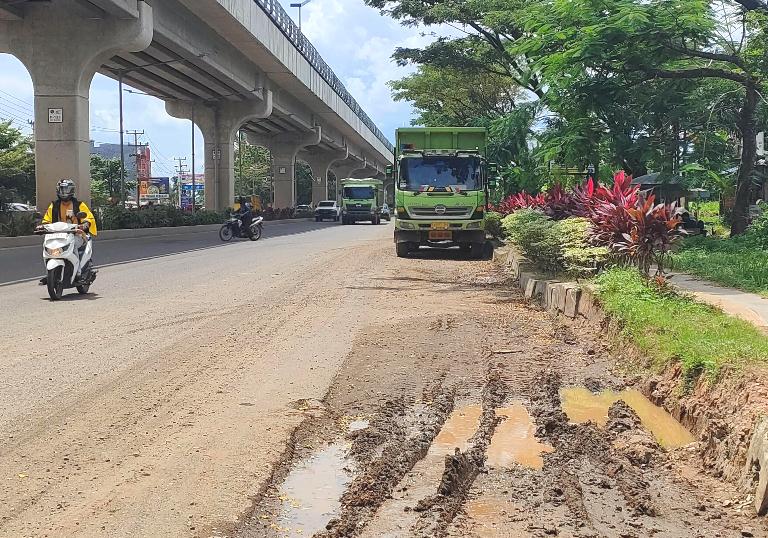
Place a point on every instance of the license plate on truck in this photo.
(439, 226)
(440, 234)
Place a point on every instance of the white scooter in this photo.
(67, 266)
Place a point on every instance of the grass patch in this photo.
(709, 212)
(732, 262)
(669, 327)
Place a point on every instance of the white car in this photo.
(25, 208)
(327, 209)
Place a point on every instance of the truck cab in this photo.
(361, 200)
(441, 180)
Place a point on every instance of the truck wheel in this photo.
(476, 251)
(402, 249)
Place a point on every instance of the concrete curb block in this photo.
(108, 235)
(570, 299)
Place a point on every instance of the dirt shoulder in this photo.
(449, 422)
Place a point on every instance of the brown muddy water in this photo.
(310, 494)
(514, 440)
(582, 405)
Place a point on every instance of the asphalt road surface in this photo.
(24, 263)
(170, 386)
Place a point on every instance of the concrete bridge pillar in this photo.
(219, 124)
(321, 163)
(284, 147)
(62, 52)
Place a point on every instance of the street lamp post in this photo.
(300, 5)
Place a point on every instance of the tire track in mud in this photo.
(461, 468)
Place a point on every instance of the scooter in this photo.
(233, 228)
(67, 266)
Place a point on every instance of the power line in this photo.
(26, 103)
(10, 104)
(10, 110)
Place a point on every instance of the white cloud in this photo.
(358, 43)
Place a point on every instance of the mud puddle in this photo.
(311, 493)
(581, 405)
(396, 516)
(515, 440)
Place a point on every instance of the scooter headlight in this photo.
(55, 252)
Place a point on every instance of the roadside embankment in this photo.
(706, 368)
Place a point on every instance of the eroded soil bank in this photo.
(450, 423)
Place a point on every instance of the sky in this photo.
(355, 40)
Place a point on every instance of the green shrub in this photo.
(492, 224)
(579, 257)
(556, 246)
(534, 234)
(117, 217)
(16, 223)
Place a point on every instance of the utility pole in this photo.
(194, 189)
(136, 135)
(180, 184)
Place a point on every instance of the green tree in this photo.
(17, 165)
(253, 171)
(664, 45)
(304, 181)
(105, 180)
(451, 97)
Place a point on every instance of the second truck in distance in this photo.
(361, 200)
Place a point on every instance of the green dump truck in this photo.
(361, 200)
(441, 181)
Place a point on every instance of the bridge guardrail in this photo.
(290, 29)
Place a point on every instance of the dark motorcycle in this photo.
(233, 228)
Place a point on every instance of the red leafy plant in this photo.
(653, 231)
(630, 224)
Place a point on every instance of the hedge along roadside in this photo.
(629, 223)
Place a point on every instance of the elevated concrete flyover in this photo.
(224, 64)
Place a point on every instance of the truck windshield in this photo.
(358, 193)
(442, 173)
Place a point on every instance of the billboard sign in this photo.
(186, 194)
(155, 189)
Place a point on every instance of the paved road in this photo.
(158, 404)
(24, 263)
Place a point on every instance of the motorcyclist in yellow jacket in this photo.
(67, 207)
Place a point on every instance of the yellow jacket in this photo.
(57, 212)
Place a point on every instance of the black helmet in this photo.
(65, 189)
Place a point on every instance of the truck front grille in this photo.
(449, 213)
(359, 207)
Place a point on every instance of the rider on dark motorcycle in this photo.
(245, 214)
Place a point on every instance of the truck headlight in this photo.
(474, 225)
(404, 225)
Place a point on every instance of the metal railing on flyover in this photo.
(290, 29)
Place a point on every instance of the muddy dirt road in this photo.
(471, 418)
(318, 385)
